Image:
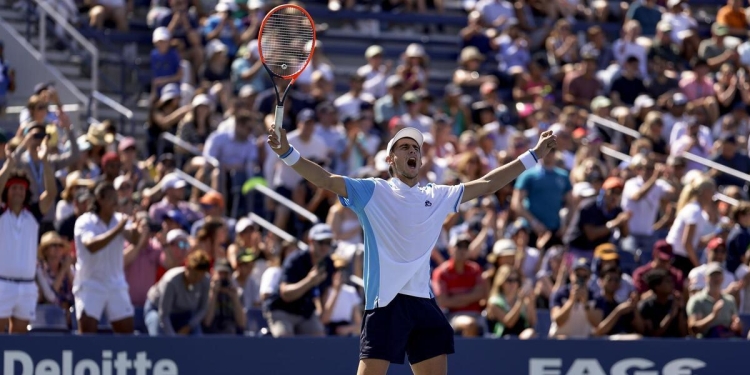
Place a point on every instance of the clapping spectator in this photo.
(551, 276)
(663, 313)
(511, 305)
(375, 71)
(616, 318)
(225, 313)
(142, 260)
(178, 303)
(572, 305)
(711, 313)
(716, 252)
(732, 16)
(248, 288)
(662, 259)
(184, 29)
(165, 61)
(342, 312)
(413, 68)
(173, 188)
(55, 272)
(223, 26)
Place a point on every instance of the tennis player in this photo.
(402, 221)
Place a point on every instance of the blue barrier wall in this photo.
(109, 355)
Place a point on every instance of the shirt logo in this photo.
(427, 204)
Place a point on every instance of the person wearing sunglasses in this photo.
(596, 219)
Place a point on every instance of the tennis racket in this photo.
(286, 42)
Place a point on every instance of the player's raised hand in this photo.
(279, 146)
(547, 142)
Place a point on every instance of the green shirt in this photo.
(500, 301)
(701, 305)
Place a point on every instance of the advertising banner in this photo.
(112, 355)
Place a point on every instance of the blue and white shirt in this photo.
(401, 226)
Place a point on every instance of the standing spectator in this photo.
(249, 290)
(20, 221)
(663, 313)
(539, 195)
(595, 220)
(177, 304)
(142, 260)
(305, 277)
(183, 26)
(728, 156)
(615, 317)
(165, 61)
(662, 260)
(342, 313)
(711, 313)
(225, 314)
(55, 272)
(572, 305)
(458, 287)
(511, 305)
(642, 196)
(224, 27)
(692, 228)
(100, 283)
(7, 79)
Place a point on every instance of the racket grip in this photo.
(279, 121)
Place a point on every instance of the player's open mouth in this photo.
(411, 162)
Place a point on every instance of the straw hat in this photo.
(49, 239)
(470, 53)
(98, 135)
(72, 181)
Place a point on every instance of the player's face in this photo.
(406, 158)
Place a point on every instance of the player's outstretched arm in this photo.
(501, 176)
(308, 170)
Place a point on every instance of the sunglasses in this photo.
(324, 242)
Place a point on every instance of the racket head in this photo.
(286, 41)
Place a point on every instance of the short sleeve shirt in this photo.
(296, 267)
(401, 226)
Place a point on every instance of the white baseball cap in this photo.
(172, 181)
(119, 181)
(412, 133)
(320, 232)
(161, 34)
(243, 224)
(176, 234)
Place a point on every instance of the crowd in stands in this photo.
(599, 246)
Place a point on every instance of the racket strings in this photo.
(285, 40)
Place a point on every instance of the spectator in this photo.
(696, 139)
(663, 313)
(305, 278)
(177, 304)
(692, 228)
(246, 68)
(142, 260)
(165, 61)
(662, 259)
(628, 86)
(183, 26)
(20, 224)
(348, 104)
(511, 305)
(390, 105)
(175, 250)
(110, 167)
(539, 195)
(173, 188)
(729, 156)
(732, 16)
(329, 129)
(572, 311)
(55, 272)
(74, 183)
(413, 68)
(580, 85)
(714, 50)
(224, 27)
(551, 276)
(738, 239)
(620, 319)
(81, 204)
(211, 239)
(100, 283)
(606, 257)
(375, 71)
(716, 252)
(342, 313)
(458, 287)
(7, 80)
(127, 150)
(711, 313)
(642, 196)
(647, 13)
(269, 283)
(212, 205)
(596, 219)
(225, 313)
(247, 287)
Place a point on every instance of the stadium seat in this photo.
(49, 319)
(543, 323)
(255, 321)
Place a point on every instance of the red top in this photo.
(641, 285)
(447, 281)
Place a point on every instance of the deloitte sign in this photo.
(20, 362)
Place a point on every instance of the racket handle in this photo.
(279, 121)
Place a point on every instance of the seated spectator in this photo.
(225, 313)
(511, 305)
(738, 239)
(100, 283)
(413, 67)
(213, 207)
(606, 257)
(595, 220)
(173, 188)
(662, 259)
(269, 282)
(177, 304)
(580, 85)
(733, 17)
(390, 105)
(716, 252)
(663, 313)
(729, 156)
(109, 10)
(572, 305)
(176, 248)
(55, 272)
(211, 239)
(711, 313)
(664, 47)
(305, 278)
(613, 317)
(248, 288)
(628, 85)
(647, 13)
(342, 312)
(551, 276)
(183, 26)
(458, 287)
(223, 26)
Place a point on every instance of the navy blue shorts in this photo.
(408, 325)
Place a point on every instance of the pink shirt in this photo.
(695, 89)
(141, 273)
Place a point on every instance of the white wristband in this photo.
(527, 159)
(292, 158)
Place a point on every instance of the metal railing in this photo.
(45, 10)
(687, 155)
(278, 232)
(98, 97)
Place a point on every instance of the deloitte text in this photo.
(117, 364)
(591, 366)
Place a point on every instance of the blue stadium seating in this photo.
(49, 319)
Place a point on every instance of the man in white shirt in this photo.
(716, 252)
(402, 222)
(413, 118)
(643, 195)
(19, 233)
(375, 72)
(100, 284)
(349, 103)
